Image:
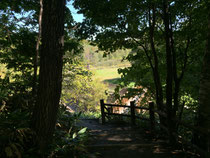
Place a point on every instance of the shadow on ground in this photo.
(122, 141)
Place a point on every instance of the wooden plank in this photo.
(102, 111)
(133, 117)
(124, 106)
(105, 108)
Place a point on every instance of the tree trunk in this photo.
(34, 89)
(169, 77)
(50, 74)
(156, 74)
(204, 108)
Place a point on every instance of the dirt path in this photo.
(122, 141)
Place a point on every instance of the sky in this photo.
(77, 17)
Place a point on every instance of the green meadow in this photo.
(108, 76)
(105, 73)
(105, 66)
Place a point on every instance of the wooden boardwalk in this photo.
(123, 141)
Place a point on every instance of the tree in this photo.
(50, 74)
(37, 50)
(159, 32)
(204, 107)
(79, 89)
(17, 48)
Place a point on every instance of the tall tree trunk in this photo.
(169, 77)
(204, 108)
(50, 74)
(176, 79)
(37, 50)
(155, 68)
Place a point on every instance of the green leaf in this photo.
(74, 135)
(82, 130)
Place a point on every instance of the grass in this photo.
(105, 73)
(90, 115)
(108, 76)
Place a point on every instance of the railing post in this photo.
(133, 116)
(152, 116)
(102, 111)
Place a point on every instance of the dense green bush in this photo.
(80, 90)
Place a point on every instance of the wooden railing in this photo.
(106, 112)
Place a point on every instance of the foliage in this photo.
(18, 59)
(19, 140)
(125, 28)
(16, 137)
(17, 52)
(100, 59)
(91, 115)
(126, 25)
(167, 39)
(69, 140)
(17, 47)
(79, 89)
(18, 33)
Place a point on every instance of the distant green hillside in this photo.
(96, 58)
(105, 68)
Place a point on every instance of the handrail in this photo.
(132, 115)
(125, 106)
(152, 112)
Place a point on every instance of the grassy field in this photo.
(109, 76)
(105, 68)
(105, 74)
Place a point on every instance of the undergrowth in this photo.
(17, 139)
